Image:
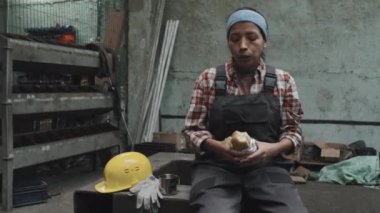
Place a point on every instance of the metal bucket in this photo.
(168, 184)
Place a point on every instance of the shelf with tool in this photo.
(52, 105)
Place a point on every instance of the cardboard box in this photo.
(320, 153)
(168, 137)
(333, 152)
(300, 171)
(298, 179)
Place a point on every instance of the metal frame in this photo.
(64, 148)
(12, 158)
(51, 102)
(6, 124)
(48, 53)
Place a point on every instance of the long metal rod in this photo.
(127, 129)
(303, 121)
(166, 53)
(7, 127)
(6, 16)
(162, 81)
(166, 69)
(147, 96)
(143, 112)
(167, 65)
(157, 83)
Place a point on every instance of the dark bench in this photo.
(318, 197)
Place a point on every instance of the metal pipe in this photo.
(148, 84)
(144, 110)
(99, 21)
(174, 26)
(6, 16)
(162, 80)
(157, 83)
(7, 125)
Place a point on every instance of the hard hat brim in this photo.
(102, 188)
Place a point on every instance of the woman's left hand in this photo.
(265, 152)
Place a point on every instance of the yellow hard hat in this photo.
(123, 171)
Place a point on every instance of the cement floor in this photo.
(61, 187)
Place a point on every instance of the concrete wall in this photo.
(331, 47)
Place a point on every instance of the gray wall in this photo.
(331, 47)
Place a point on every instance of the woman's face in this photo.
(246, 44)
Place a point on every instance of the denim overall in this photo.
(220, 186)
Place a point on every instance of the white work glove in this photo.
(147, 192)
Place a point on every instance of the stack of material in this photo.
(160, 80)
(149, 79)
(62, 34)
(336, 162)
(152, 100)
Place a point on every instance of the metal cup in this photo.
(168, 184)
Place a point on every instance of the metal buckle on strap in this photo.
(220, 87)
(220, 81)
(270, 81)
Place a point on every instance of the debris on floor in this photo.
(362, 170)
(335, 162)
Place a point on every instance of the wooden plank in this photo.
(114, 29)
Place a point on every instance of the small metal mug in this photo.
(168, 184)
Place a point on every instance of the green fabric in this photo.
(364, 170)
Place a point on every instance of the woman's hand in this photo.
(265, 152)
(221, 149)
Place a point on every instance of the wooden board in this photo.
(114, 29)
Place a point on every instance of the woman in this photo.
(246, 95)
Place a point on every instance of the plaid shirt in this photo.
(203, 96)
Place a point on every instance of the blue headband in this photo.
(250, 16)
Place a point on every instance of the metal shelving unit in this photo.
(13, 51)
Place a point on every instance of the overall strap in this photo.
(220, 81)
(270, 79)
